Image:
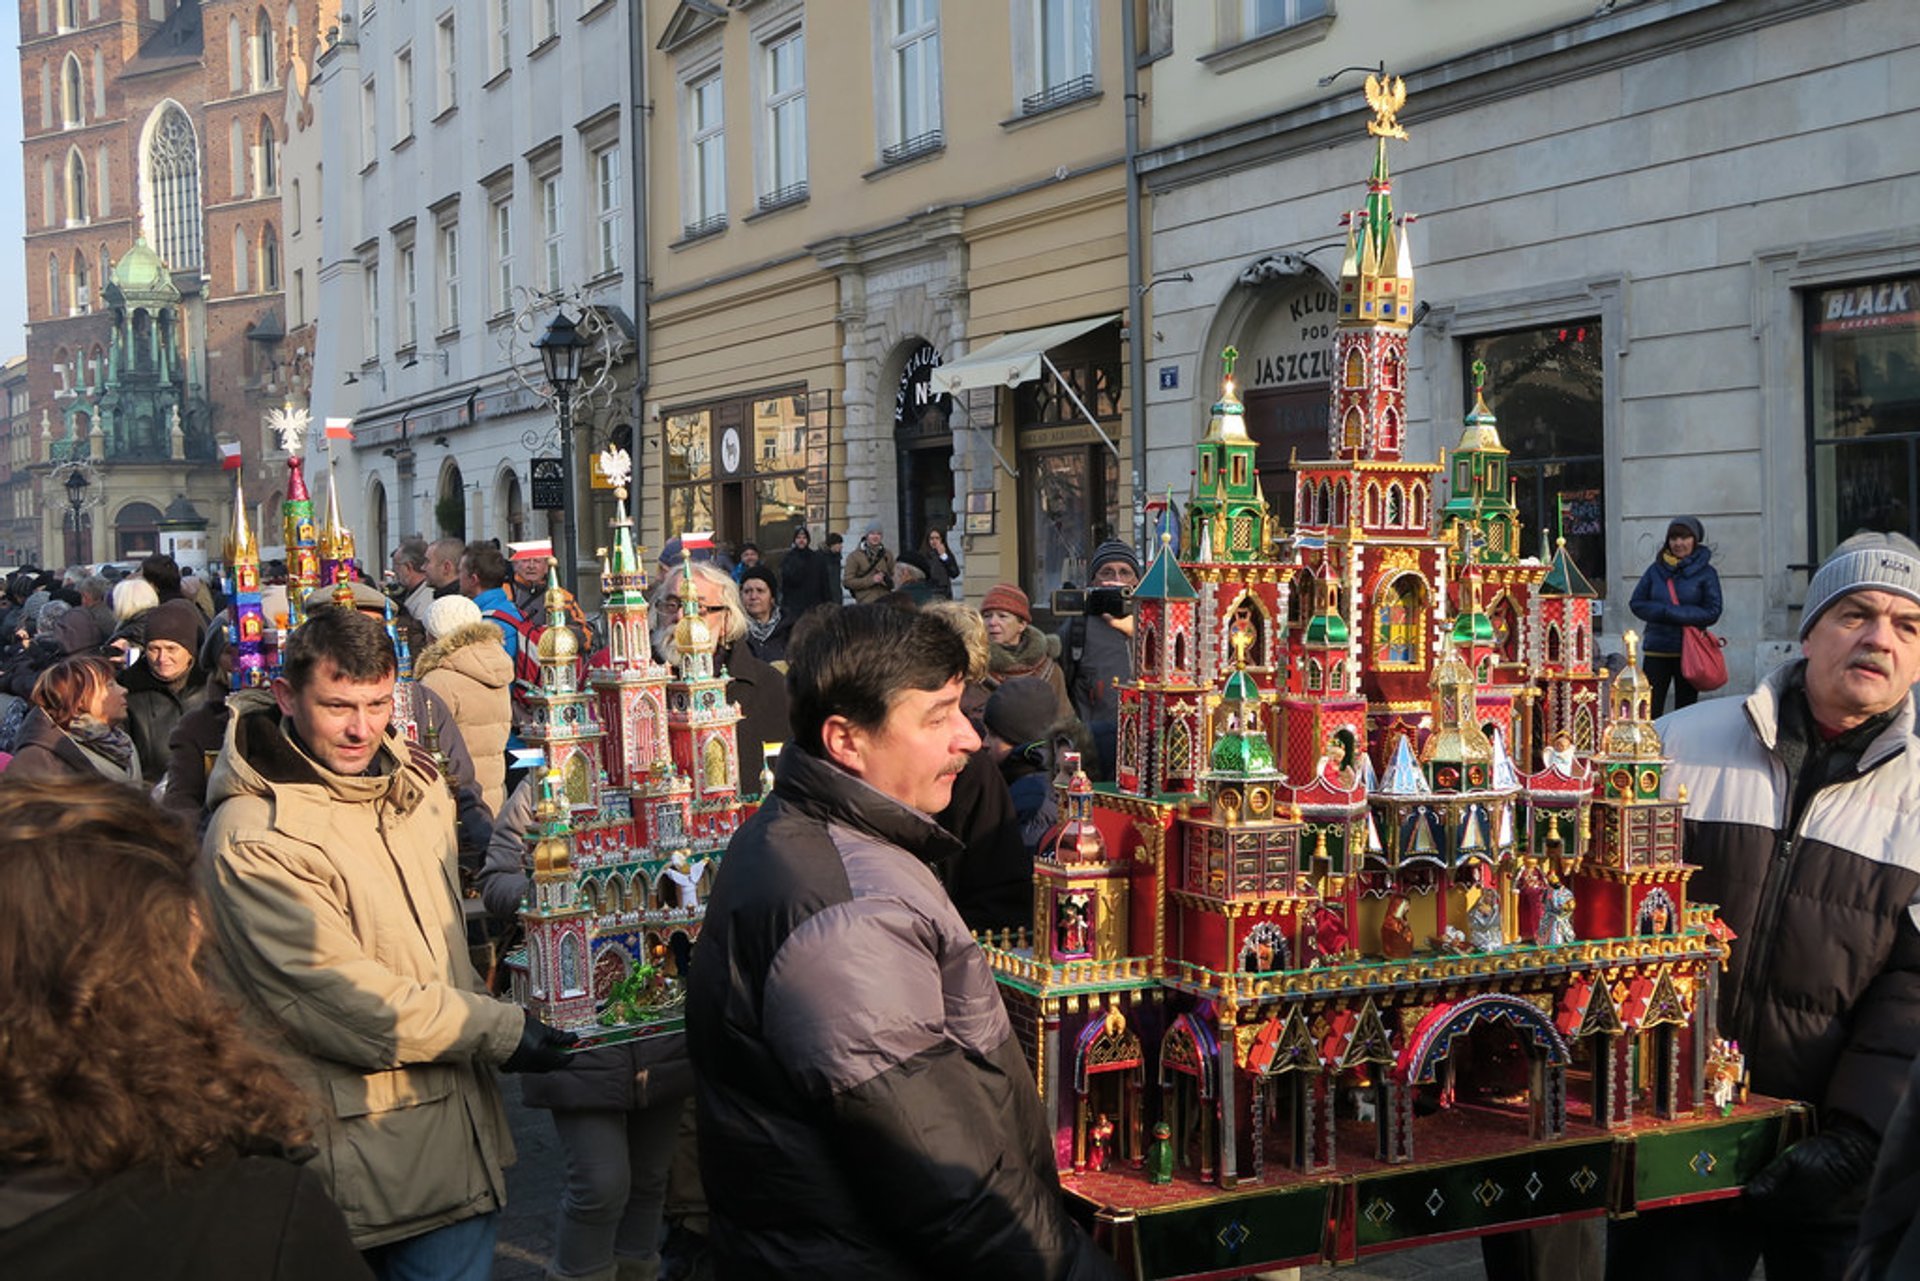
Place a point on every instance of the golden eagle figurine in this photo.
(1386, 95)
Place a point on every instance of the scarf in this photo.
(110, 743)
(758, 632)
(1024, 659)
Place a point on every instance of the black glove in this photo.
(541, 1048)
(1818, 1177)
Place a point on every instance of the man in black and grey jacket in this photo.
(1803, 813)
(865, 1111)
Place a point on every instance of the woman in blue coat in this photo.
(1679, 590)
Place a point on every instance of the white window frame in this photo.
(406, 265)
(370, 296)
(369, 123)
(911, 115)
(499, 37)
(1058, 62)
(782, 139)
(705, 160)
(447, 65)
(550, 201)
(447, 273)
(609, 202)
(546, 18)
(402, 95)
(500, 251)
(1291, 13)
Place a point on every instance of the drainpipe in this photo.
(1136, 276)
(639, 113)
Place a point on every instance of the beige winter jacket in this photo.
(470, 670)
(336, 905)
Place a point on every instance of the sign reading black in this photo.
(549, 485)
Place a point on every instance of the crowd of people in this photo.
(848, 1099)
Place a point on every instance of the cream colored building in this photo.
(845, 196)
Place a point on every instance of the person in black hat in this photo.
(1096, 650)
(166, 682)
(1021, 717)
(1679, 590)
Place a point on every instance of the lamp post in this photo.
(559, 350)
(76, 484)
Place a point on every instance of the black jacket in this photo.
(865, 1110)
(153, 710)
(1823, 986)
(761, 692)
(258, 1217)
(806, 580)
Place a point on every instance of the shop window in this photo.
(1545, 387)
(739, 467)
(1070, 479)
(1863, 347)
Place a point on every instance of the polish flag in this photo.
(542, 550)
(230, 459)
(339, 429)
(700, 540)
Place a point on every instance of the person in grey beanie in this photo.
(1681, 589)
(1800, 805)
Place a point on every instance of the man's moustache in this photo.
(1875, 662)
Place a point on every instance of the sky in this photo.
(13, 202)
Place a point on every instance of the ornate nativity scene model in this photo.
(1383, 932)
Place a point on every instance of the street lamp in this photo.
(559, 350)
(76, 483)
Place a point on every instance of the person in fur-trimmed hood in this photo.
(466, 664)
(1020, 648)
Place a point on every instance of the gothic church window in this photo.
(172, 190)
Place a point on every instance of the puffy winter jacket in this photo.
(337, 909)
(470, 669)
(1695, 582)
(865, 1111)
(1823, 990)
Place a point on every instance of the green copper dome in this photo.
(1327, 628)
(1473, 628)
(140, 274)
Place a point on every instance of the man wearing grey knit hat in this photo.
(1802, 804)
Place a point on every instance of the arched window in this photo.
(240, 256)
(82, 284)
(77, 206)
(99, 83)
(266, 72)
(172, 189)
(236, 56)
(49, 193)
(1373, 503)
(102, 184)
(1389, 430)
(1356, 371)
(69, 14)
(54, 300)
(1393, 372)
(293, 207)
(97, 367)
(1352, 429)
(1400, 615)
(266, 162)
(1396, 507)
(73, 93)
(269, 259)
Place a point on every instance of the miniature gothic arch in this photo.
(1400, 610)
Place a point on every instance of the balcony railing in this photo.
(1057, 95)
(913, 148)
(791, 194)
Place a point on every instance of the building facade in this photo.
(844, 201)
(152, 152)
(476, 167)
(19, 519)
(1682, 234)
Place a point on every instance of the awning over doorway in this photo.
(1011, 359)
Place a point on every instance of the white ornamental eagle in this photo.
(290, 425)
(616, 466)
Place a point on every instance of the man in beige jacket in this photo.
(331, 873)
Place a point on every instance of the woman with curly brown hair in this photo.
(140, 1132)
(77, 726)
